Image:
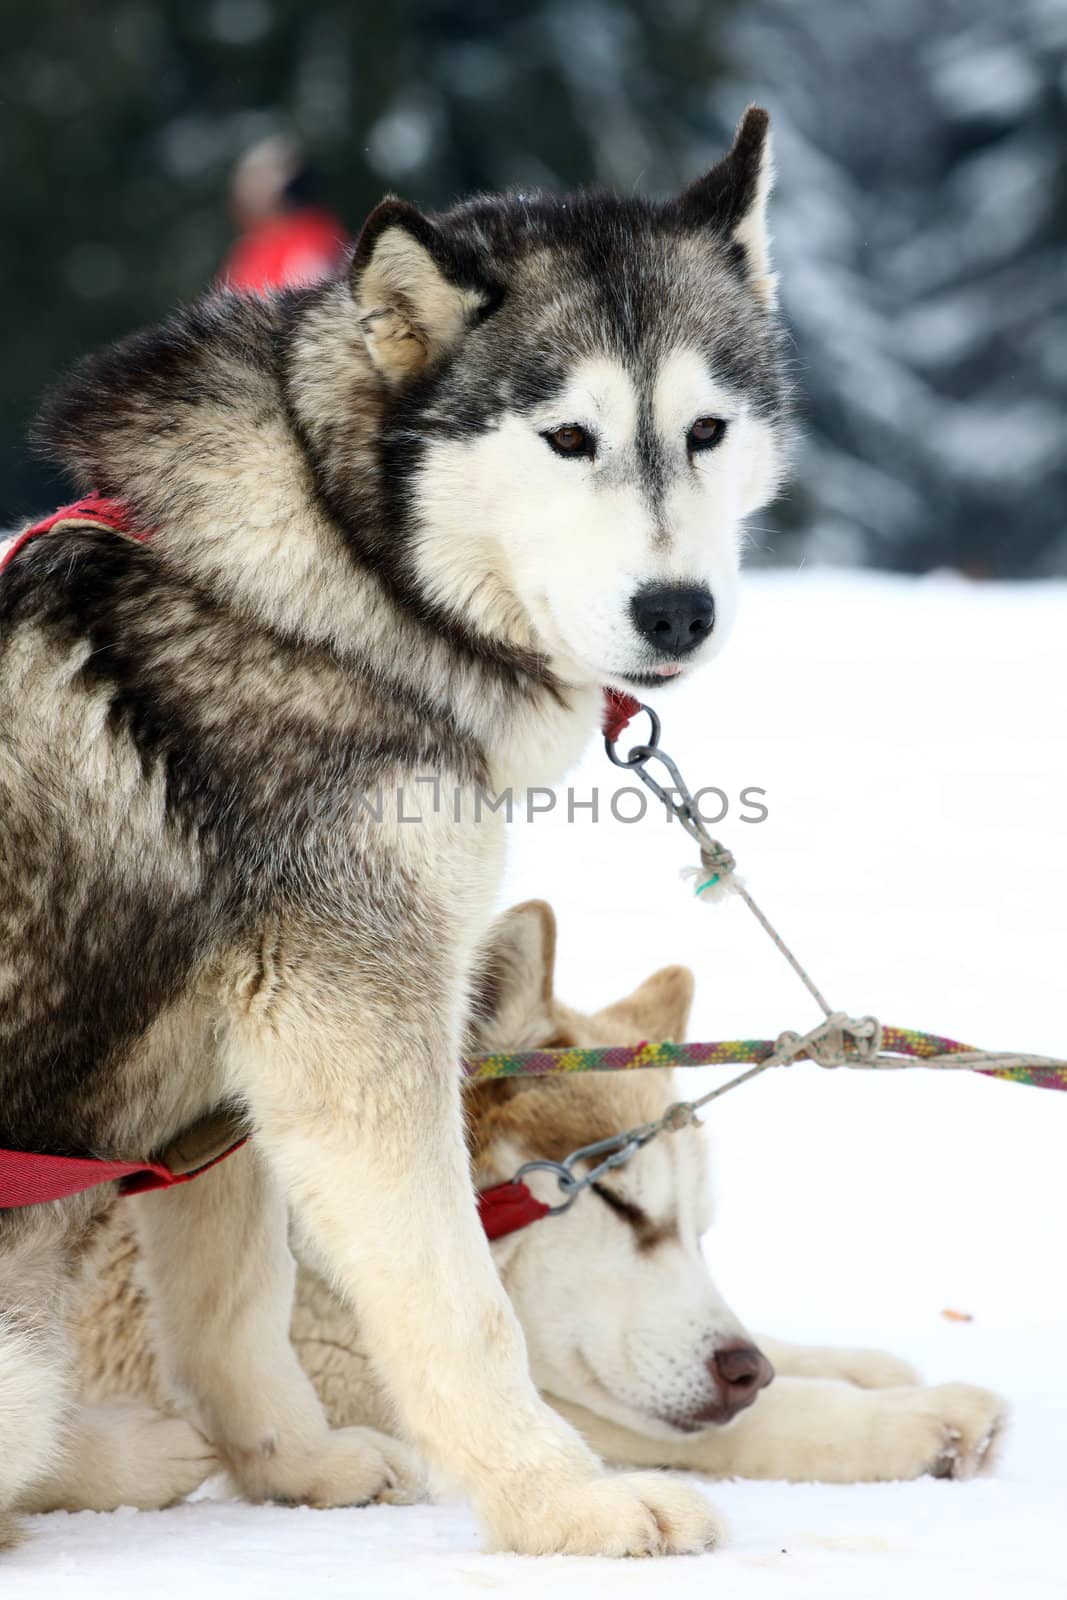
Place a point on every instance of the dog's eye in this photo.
(570, 441)
(705, 434)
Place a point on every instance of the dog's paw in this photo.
(124, 1455)
(352, 1467)
(873, 1369)
(638, 1514)
(158, 1460)
(861, 1367)
(952, 1430)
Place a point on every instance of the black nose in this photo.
(739, 1372)
(673, 620)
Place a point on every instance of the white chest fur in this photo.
(542, 742)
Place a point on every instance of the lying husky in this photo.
(404, 526)
(627, 1334)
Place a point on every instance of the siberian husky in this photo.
(405, 526)
(627, 1334)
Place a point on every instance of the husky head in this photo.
(614, 1296)
(582, 399)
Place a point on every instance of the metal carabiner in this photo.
(638, 753)
(678, 800)
(616, 1150)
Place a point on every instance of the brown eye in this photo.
(705, 433)
(570, 441)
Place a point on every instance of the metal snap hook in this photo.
(638, 754)
(616, 1150)
(565, 1178)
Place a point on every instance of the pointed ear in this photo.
(415, 296)
(511, 996)
(658, 1009)
(733, 197)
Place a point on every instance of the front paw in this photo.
(151, 1460)
(349, 1467)
(874, 1369)
(123, 1454)
(953, 1430)
(637, 1514)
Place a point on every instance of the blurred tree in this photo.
(919, 219)
(122, 121)
(123, 118)
(921, 225)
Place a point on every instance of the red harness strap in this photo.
(96, 510)
(28, 1179)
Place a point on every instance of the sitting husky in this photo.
(398, 530)
(627, 1335)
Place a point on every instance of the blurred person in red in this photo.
(285, 236)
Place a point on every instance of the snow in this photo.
(911, 740)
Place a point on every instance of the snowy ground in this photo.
(912, 742)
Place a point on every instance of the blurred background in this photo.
(920, 220)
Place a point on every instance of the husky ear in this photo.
(733, 197)
(511, 999)
(415, 299)
(658, 1009)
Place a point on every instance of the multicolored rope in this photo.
(922, 1046)
(900, 1047)
(838, 1041)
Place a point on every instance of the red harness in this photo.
(30, 1179)
(95, 511)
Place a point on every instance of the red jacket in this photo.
(296, 247)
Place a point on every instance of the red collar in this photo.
(507, 1207)
(619, 711)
